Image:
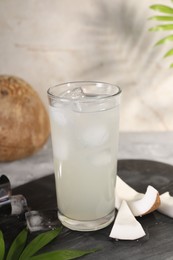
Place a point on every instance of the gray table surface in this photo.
(157, 146)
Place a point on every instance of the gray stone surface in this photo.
(31, 168)
(157, 146)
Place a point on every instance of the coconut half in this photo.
(139, 203)
(126, 227)
(166, 206)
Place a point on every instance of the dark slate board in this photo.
(157, 244)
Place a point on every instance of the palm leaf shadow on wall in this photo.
(119, 44)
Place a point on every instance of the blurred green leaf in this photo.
(17, 246)
(39, 242)
(169, 53)
(2, 246)
(63, 254)
(165, 27)
(165, 40)
(15, 252)
(161, 18)
(162, 8)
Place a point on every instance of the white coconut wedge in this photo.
(139, 203)
(126, 227)
(166, 205)
(123, 191)
(146, 205)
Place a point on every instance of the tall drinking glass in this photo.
(84, 126)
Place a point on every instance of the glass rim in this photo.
(69, 99)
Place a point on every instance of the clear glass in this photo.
(84, 127)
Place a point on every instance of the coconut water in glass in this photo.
(84, 127)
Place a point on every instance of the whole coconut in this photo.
(24, 122)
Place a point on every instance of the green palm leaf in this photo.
(169, 53)
(165, 40)
(165, 27)
(39, 242)
(63, 254)
(2, 246)
(162, 8)
(17, 246)
(161, 18)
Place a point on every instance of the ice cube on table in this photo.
(14, 205)
(95, 135)
(18, 204)
(42, 220)
(10, 205)
(5, 188)
(5, 193)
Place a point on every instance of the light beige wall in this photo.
(47, 42)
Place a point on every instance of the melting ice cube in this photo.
(5, 193)
(102, 158)
(60, 148)
(18, 204)
(14, 205)
(5, 188)
(59, 116)
(95, 135)
(9, 204)
(78, 93)
(75, 93)
(42, 220)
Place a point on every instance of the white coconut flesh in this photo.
(139, 203)
(146, 204)
(131, 204)
(124, 192)
(126, 227)
(166, 206)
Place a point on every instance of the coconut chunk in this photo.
(126, 227)
(149, 202)
(139, 203)
(123, 191)
(166, 206)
